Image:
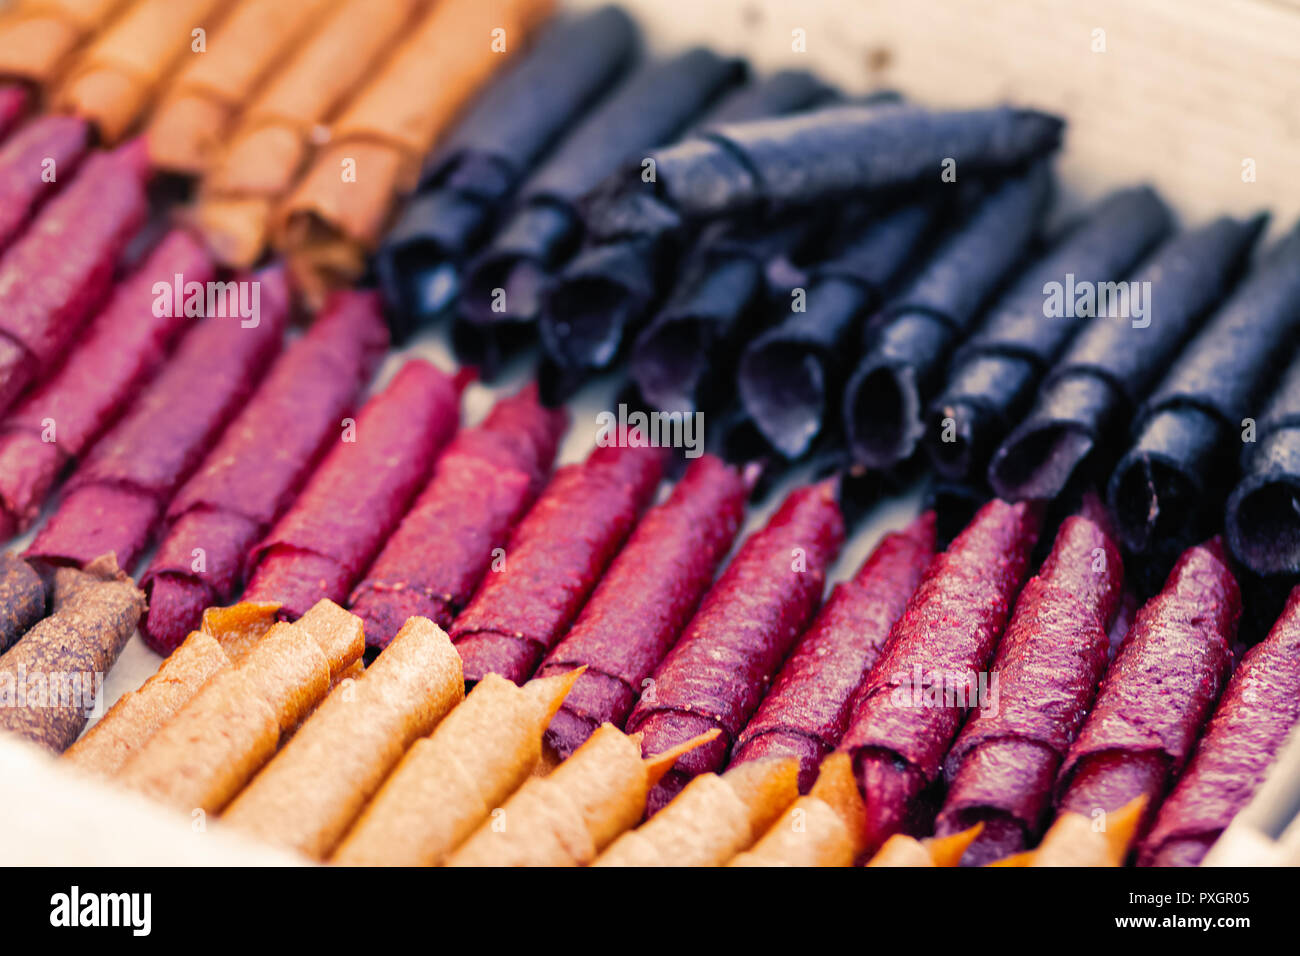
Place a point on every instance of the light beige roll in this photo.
(1078, 840)
(903, 850)
(113, 81)
(308, 795)
(38, 37)
(337, 632)
(216, 742)
(202, 757)
(712, 819)
(568, 817)
(138, 714)
(202, 100)
(240, 626)
(273, 137)
(451, 780)
(330, 222)
(824, 828)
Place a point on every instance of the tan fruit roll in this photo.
(1075, 839)
(204, 755)
(37, 37)
(450, 781)
(139, 714)
(115, 79)
(274, 135)
(204, 97)
(712, 819)
(903, 850)
(308, 795)
(338, 212)
(827, 827)
(569, 816)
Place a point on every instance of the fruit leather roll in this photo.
(644, 600)
(1001, 768)
(307, 797)
(885, 396)
(22, 598)
(650, 106)
(1158, 693)
(554, 558)
(240, 489)
(685, 358)
(903, 850)
(789, 376)
(138, 714)
(915, 698)
(450, 781)
(993, 376)
(55, 673)
(264, 154)
(330, 223)
(812, 158)
(205, 754)
(711, 820)
(1107, 370)
(1261, 522)
(1076, 839)
(720, 669)
(1181, 461)
(568, 816)
(73, 244)
(1260, 707)
(117, 355)
(202, 99)
(823, 828)
(807, 710)
(605, 292)
(56, 143)
(120, 491)
(321, 545)
(38, 36)
(482, 485)
(115, 79)
(469, 179)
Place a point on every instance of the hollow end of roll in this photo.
(519, 277)
(882, 415)
(1038, 462)
(1152, 499)
(783, 387)
(420, 280)
(670, 362)
(583, 318)
(1263, 523)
